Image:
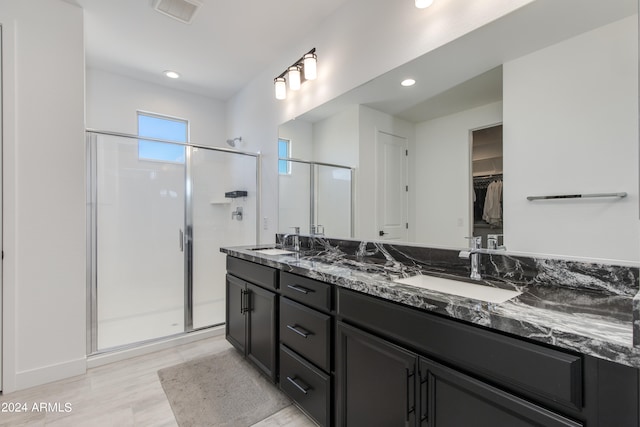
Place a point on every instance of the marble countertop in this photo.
(591, 322)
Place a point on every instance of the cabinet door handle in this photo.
(181, 240)
(303, 389)
(410, 393)
(300, 289)
(424, 398)
(247, 301)
(298, 330)
(241, 301)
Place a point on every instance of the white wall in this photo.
(360, 41)
(44, 299)
(442, 178)
(113, 100)
(300, 133)
(336, 140)
(586, 141)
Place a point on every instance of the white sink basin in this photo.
(274, 251)
(462, 289)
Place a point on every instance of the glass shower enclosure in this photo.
(315, 196)
(155, 227)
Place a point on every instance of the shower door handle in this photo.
(181, 243)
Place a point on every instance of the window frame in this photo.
(169, 141)
(282, 159)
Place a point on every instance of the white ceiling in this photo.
(228, 43)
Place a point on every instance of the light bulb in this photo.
(294, 77)
(171, 74)
(281, 88)
(310, 70)
(408, 82)
(421, 4)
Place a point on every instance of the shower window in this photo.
(162, 127)
(284, 152)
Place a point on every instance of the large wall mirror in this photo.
(543, 100)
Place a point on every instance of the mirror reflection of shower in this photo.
(235, 141)
(487, 184)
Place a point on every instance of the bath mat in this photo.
(220, 390)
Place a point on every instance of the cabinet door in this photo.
(375, 380)
(235, 328)
(261, 331)
(449, 398)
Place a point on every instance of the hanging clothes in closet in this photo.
(487, 189)
(492, 212)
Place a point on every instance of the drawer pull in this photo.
(293, 381)
(297, 330)
(300, 289)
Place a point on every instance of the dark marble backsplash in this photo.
(603, 278)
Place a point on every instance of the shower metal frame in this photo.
(312, 190)
(92, 256)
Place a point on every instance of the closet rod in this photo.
(577, 196)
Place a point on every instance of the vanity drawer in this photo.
(307, 291)
(307, 385)
(262, 275)
(306, 331)
(518, 365)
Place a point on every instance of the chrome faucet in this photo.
(296, 238)
(492, 242)
(474, 254)
(317, 230)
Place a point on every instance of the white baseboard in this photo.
(118, 355)
(51, 373)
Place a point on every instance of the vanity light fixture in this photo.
(297, 73)
(294, 77)
(422, 4)
(408, 82)
(171, 74)
(310, 61)
(281, 87)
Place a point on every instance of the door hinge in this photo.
(406, 188)
(406, 152)
(407, 225)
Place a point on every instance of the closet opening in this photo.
(487, 181)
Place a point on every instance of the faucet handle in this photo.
(476, 241)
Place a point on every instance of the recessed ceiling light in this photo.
(421, 4)
(408, 82)
(171, 74)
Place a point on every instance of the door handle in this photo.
(410, 393)
(181, 242)
(298, 330)
(298, 386)
(299, 288)
(381, 233)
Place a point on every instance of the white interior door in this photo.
(391, 186)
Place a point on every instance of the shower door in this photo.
(140, 260)
(156, 225)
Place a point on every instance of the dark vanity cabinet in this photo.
(251, 315)
(382, 384)
(350, 359)
(306, 349)
(401, 366)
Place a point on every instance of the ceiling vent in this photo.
(182, 10)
